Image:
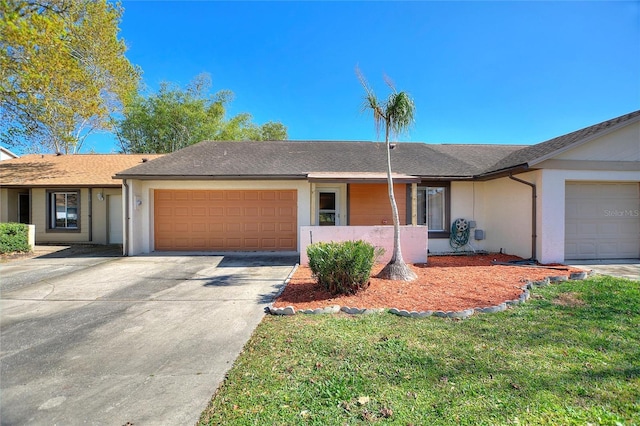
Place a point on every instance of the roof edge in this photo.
(496, 174)
(211, 177)
(587, 139)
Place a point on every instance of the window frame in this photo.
(51, 216)
(424, 185)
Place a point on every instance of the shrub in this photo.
(14, 237)
(343, 267)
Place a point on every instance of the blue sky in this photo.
(479, 72)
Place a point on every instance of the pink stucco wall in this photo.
(413, 239)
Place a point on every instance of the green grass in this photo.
(570, 356)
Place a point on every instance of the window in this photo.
(64, 209)
(433, 208)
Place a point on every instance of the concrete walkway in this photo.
(624, 268)
(108, 340)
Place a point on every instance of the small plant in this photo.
(14, 237)
(344, 267)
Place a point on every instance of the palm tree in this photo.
(396, 114)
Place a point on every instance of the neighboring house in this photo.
(572, 197)
(5, 154)
(69, 198)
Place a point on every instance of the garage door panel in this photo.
(225, 220)
(233, 227)
(627, 246)
(288, 243)
(199, 243)
(601, 220)
(269, 243)
(251, 195)
(268, 195)
(181, 196)
(251, 212)
(267, 227)
(628, 227)
(199, 227)
(198, 195)
(215, 195)
(164, 211)
(251, 227)
(287, 195)
(181, 227)
(234, 243)
(251, 243)
(216, 227)
(233, 195)
(285, 227)
(165, 227)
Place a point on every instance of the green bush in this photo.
(345, 267)
(14, 237)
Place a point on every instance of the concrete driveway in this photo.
(623, 268)
(111, 340)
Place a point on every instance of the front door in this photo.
(24, 208)
(115, 218)
(328, 208)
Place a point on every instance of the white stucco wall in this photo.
(507, 214)
(620, 145)
(467, 201)
(413, 240)
(501, 208)
(140, 229)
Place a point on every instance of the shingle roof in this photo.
(539, 151)
(67, 170)
(273, 159)
(296, 159)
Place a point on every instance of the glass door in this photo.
(328, 208)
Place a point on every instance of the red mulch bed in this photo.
(445, 283)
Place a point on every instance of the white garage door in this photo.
(602, 220)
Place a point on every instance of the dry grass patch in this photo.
(568, 299)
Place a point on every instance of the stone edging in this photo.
(464, 314)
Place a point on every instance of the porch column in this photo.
(414, 204)
(312, 219)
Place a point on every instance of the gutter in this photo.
(534, 228)
(125, 240)
(496, 174)
(211, 177)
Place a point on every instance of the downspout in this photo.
(125, 239)
(534, 228)
(90, 215)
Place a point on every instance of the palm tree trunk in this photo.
(396, 269)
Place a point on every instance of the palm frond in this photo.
(371, 102)
(400, 111)
(389, 83)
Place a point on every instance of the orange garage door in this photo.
(225, 220)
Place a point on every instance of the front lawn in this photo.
(571, 355)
